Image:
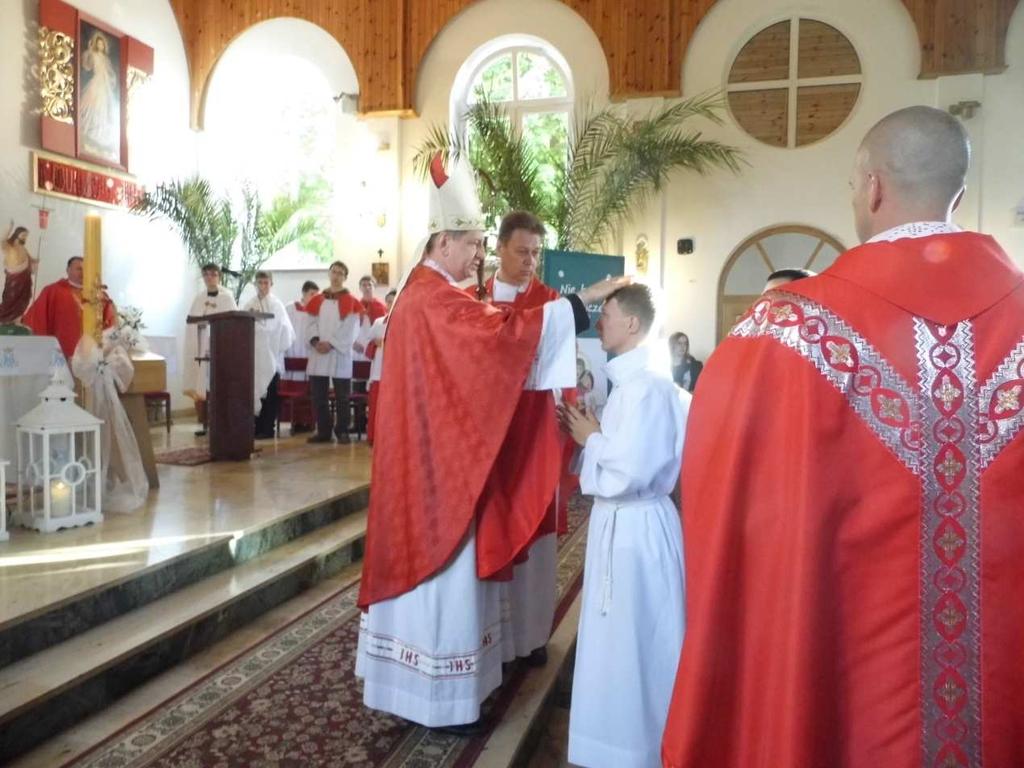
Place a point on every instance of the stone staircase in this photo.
(65, 664)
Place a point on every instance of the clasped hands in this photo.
(578, 421)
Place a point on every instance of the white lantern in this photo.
(59, 467)
(4, 535)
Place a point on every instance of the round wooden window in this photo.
(794, 83)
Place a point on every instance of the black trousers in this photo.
(266, 422)
(319, 389)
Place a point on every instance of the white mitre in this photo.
(454, 203)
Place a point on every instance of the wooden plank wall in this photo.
(961, 36)
(644, 41)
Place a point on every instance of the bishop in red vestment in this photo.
(57, 311)
(852, 492)
(430, 640)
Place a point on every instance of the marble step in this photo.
(515, 739)
(62, 619)
(51, 690)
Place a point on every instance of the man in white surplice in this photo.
(335, 320)
(430, 642)
(298, 316)
(273, 337)
(632, 620)
(210, 301)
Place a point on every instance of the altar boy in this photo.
(631, 623)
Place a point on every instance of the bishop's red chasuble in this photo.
(454, 369)
(853, 501)
(518, 503)
(57, 311)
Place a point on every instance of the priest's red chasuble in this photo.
(519, 500)
(853, 502)
(454, 368)
(57, 311)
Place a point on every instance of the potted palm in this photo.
(210, 226)
(613, 165)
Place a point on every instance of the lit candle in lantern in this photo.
(91, 268)
(60, 499)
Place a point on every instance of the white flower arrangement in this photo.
(128, 333)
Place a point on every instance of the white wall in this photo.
(143, 264)
(251, 80)
(808, 185)
(550, 20)
(146, 266)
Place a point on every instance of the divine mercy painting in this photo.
(99, 105)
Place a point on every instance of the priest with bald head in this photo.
(851, 495)
(430, 641)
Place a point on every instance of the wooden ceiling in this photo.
(644, 40)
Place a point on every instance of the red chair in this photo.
(296, 403)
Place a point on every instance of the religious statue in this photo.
(19, 267)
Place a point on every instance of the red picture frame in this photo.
(101, 65)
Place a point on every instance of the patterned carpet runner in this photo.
(293, 700)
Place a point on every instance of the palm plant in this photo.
(204, 222)
(615, 163)
(289, 219)
(209, 226)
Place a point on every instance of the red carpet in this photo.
(293, 700)
(184, 457)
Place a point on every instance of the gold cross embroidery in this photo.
(951, 692)
(948, 393)
(839, 354)
(950, 617)
(950, 543)
(782, 313)
(1008, 400)
(950, 468)
(889, 408)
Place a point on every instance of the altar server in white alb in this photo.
(212, 300)
(273, 337)
(335, 320)
(632, 618)
(430, 641)
(298, 316)
(371, 340)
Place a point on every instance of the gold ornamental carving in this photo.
(56, 74)
(137, 79)
(643, 256)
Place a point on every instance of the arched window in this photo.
(531, 80)
(747, 269)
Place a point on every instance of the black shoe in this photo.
(475, 728)
(318, 439)
(265, 436)
(538, 657)
(344, 439)
(200, 433)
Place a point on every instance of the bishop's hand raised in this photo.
(598, 292)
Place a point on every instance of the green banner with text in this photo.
(569, 271)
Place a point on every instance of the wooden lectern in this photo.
(229, 400)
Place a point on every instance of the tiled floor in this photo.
(192, 507)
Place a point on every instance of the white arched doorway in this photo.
(781, 247)
(279, 111)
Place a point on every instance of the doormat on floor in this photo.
(293, 700)
(184, 457)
